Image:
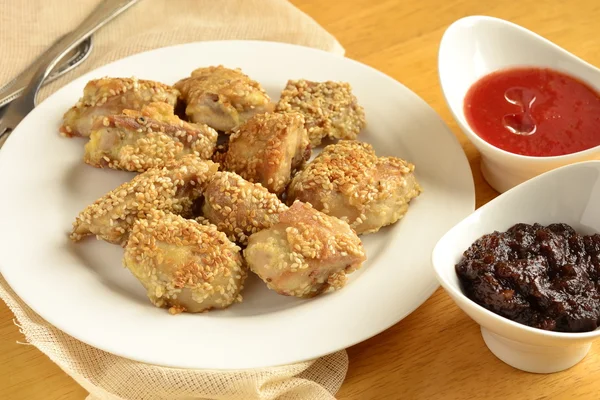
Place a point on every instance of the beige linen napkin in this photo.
(27, 27)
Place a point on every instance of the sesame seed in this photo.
(135, 148)
(166, 188)
(238, 207)
(233, 94)
(349, 181)
(329, 108)
(305, 252)
(109, 96)
(268, 149)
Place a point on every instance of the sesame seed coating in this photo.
(329, 108)
(148, 138)
(222, 98)
(347, 180)
(108, 96)
(268, 148)
(239, 208)
(184, 266)
(306, 253)
(172, 188)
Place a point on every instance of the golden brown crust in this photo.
(148, 138)
(239, 208)
(268, 148)
(310, 233)
(222, 98)
(329, 108)
(173, 188)
(108, 96)
(306, 253)
(349, 181)
(184, 266)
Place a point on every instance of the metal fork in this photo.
(15, 87)
(18, 109)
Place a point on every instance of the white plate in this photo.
(83, 289)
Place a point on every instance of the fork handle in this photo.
(104, 12)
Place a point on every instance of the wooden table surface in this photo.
(436, 352)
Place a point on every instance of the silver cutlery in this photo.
(19, 108)
(15, 87)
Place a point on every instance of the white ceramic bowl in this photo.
(570, 195)
(476, 46)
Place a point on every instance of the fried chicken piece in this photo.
(108, 96)
(173, 188)
(222, 98)
(268, 149)
(239, 208)
(329, 108)
(306, 253)
(347, 180)
(139, 140)
(183, 265)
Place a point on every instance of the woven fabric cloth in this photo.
(27, 28)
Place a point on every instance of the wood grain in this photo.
(436, 352)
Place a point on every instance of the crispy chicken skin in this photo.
(148, 138)
(306, 253)
(268, 149)
(347, 180)
(173, 188)
(184, 266)
(222, 98)
(330, 109)
(239, 208)
(108, 96)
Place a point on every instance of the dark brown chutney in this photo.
(546, 277)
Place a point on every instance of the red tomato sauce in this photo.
(534, 112)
